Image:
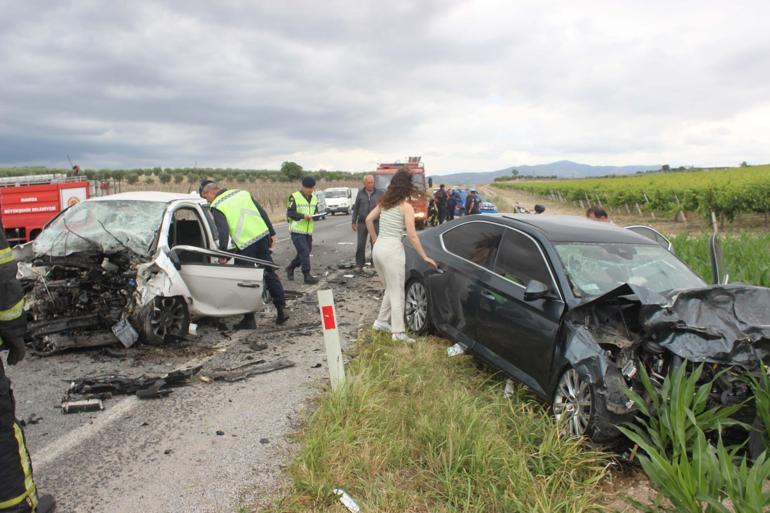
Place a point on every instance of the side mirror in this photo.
(536, 290)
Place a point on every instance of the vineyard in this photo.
(747, 256)
(726, 192)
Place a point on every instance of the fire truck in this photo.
(384, 175)
(27, 203)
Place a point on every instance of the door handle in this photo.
(248, 285)
(488, 295)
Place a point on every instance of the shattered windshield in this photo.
(105, 226)
(595, 269)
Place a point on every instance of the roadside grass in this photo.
(416, 431)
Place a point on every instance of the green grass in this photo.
(747, 256)
(416, 431)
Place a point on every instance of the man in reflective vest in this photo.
(240, 219)
(17, 487)
(302, 206)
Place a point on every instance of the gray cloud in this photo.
(342, 84)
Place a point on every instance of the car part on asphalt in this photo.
(81, 406)
(143, 386)
(248, 370)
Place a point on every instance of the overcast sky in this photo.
(475, 85)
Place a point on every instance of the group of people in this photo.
(445, 203)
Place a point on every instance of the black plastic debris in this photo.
(248, 370)
(144, 387)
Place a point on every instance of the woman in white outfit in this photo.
(396, 216)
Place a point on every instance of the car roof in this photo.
(153, 196)
(561, 228)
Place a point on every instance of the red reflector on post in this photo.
(328, 314)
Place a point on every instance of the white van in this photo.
(340, 199)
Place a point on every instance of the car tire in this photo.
(574, 393)
(417, 307)
(164, 319)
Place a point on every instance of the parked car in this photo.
(487, 207)
(574, 308)
(142, 263)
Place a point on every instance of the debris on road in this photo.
(30, 421)
(145, 387)
(248, 370)
(82, 406)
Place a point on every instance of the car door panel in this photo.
(223, 290)
(523, 333)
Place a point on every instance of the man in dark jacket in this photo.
(451, 203)
(242, 220)
(366, 200)
(440, 197)
(472, 203)
(17, 486)
(300, 212)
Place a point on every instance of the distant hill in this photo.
(562, 169)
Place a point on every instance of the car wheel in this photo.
(573, 403)
(165, 319)
(416, 309)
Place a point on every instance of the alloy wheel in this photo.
(168, 317)
(573, 403)
(416, 306)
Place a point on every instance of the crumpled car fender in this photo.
(160, 278)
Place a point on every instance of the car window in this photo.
(520, 260)
(476, 242)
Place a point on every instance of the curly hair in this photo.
(401, 188)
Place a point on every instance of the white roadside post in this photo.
(331, 338)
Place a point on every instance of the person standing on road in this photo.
(472, 203)
(396, 216)
(451, 203)
(441, 203)
(18, 493)
(242, 220)
(366, 200)
(302, 205)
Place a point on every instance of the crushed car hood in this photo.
(724, 324)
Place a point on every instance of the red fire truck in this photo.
(27, 203)
(384, 175)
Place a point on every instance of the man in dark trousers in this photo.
(472, 203)
(18, 493)
(302, 205)
(451, 203)
(367, 199)
(241, 219)
(441, 198)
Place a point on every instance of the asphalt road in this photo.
(165, 455)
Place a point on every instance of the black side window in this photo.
(475, 241)
(520, 260)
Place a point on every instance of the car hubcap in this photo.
(572, 403)
(416, 306)
(167, 317)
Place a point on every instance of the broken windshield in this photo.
(598, 268)
(107, 226)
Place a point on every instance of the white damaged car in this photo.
(131, 266)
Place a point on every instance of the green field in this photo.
(747, 256)
(726, 192)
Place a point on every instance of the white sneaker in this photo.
(403, 337)
(381, 326)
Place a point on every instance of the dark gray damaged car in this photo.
(572, 308)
